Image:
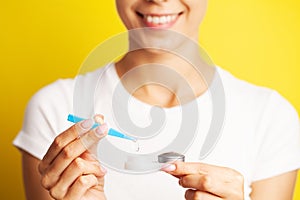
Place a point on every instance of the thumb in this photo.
(185, 168)
(93, 136)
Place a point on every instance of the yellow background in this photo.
(40, 41)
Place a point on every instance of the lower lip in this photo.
(160, 26)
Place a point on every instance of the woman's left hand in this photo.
(208, 182)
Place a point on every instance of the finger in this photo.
(89, 156)
(199, 195)
(91, 138)
(62, 140)
(221, 185)
(69, 153)
(169, 167)
(198, 182)
(81, 186)
(183, 168)
(77, 168)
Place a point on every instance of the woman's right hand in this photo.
(68, 170)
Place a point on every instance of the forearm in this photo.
(275, 188)
(32, 179)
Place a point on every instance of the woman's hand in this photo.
(68, 170)
(207, 182)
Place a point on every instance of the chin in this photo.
(156, 41)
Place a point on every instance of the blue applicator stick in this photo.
(111, 132)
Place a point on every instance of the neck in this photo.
(165, 78)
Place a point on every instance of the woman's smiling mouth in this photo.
(159, 20)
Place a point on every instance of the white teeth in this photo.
(169, 18)
(149, 19)
(155, 20)
(163, 20)
(160, 19)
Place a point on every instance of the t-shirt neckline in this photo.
(137, 102)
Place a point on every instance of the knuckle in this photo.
(67, 153)
(45, 182)
(207, 183)
(55, 194)
(94, 180)
(58, 143)
(79, 164)
(76, 130)
(87, 181)
(83, 180)
(60, 191)
(100, 170)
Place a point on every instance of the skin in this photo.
(211, 182)
(68, 171)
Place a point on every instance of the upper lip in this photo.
(157, 14)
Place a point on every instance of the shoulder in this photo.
(46, 113)
(264, 111)
(267, 123)
(48, 107)
(55, 101)
(242, 89)
(61, 92)
(248, 95)
(57, 91)
(44, 118)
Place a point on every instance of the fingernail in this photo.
(100, 130)
(87, 124)
(169, 168)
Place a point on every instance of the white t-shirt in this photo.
(260, 134)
